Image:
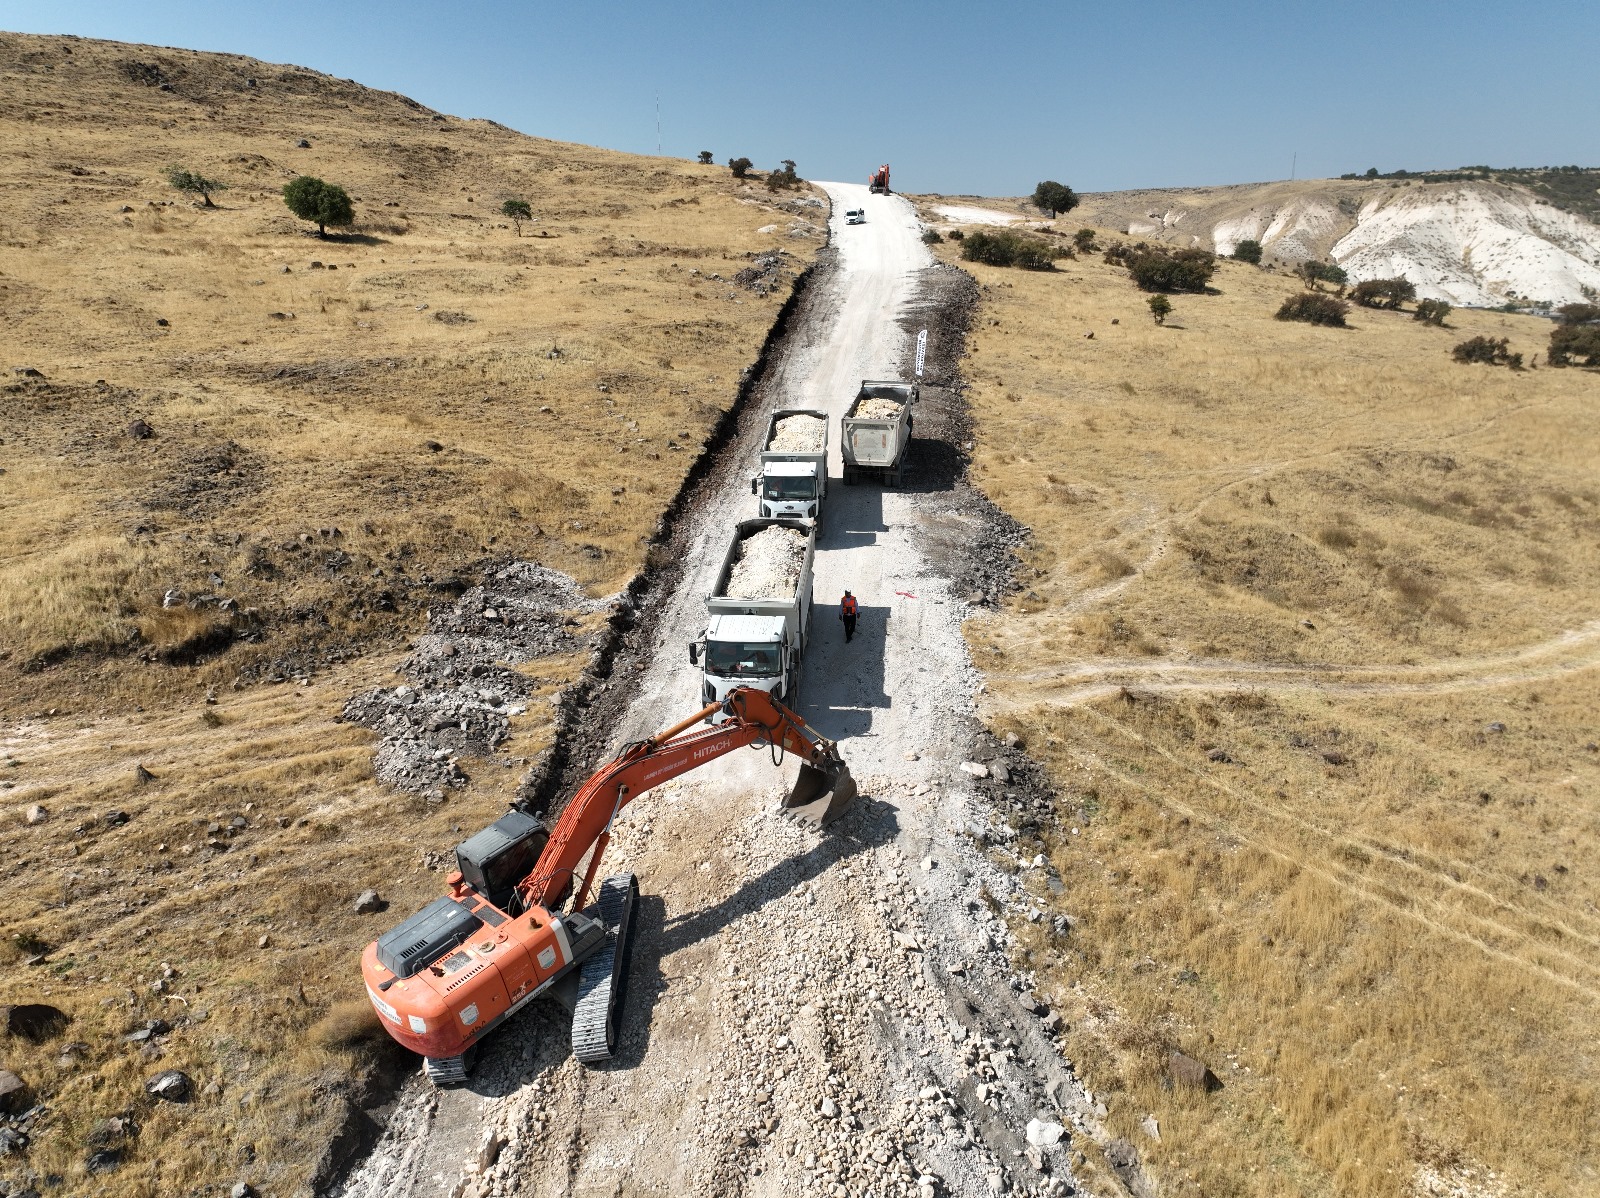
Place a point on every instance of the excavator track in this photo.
(603, 978)
(450, 1071)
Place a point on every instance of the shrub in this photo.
(1180, 270)
(1006, 247)
(931, 237)
(1578, 313)
(784, 176)
(1314, 308)
(1488, 352)
(1248, 250)
(705, 157)
(321, 203)
(1160, 308)
(957, 235)
(1383, 293)
(740, 167)
(1312, 273)
(194, 184)
(1054, 198)
(518, 211)
(1083, 241)
(1574, 344)
(1431, 311)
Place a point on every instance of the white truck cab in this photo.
(744, 651)
(793, 489)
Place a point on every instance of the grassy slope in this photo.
(1379, 922)
(567, 407)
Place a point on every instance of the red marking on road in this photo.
(907, 594)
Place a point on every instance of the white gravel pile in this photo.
(769, 565)
(799, 434)
(878, 409)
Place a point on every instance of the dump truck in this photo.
(517, 921)
(874, 433)
(878, 181)
(794, 465)
(760, 611)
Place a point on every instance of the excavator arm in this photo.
(754, 717)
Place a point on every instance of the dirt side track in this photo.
(808, 1013)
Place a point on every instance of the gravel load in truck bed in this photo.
(768, 566)
(799, 434)
(878, 409)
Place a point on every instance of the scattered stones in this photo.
(242, 1189)
(976, 768)
(1334, 757)
(140, 430)
(142, 775)
(999, 772)
(36, 813)
(828, 1109)
(1220, 756)
(1497, 726)
(1151, 1128)
(170, 1085)
(369, 903)
(105, 1161)
(115, 819)
(489, 1149)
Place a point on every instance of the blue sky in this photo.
(957, 97)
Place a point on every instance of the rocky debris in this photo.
(769, 564)
(107, 1160)
(140, 430)
(976, 768)
(1220, 756)
(1151, 1127)
(874, 408)
(242, 1189)
(368, 902)
(34, 1022)
(461, 690)
(36, 813)
(1187, 1073)
(170, 1085)
(799, 434)
(765, 272)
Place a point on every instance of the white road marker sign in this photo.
(922, 350)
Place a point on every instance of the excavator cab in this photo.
(496, 859)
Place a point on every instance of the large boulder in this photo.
(13, 1093)
(172, 1085)
(34, 1022)
(1184, 1072)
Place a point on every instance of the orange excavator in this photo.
(512, 927)
(878, 181)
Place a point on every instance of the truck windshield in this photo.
(779, 487)
(730, 659)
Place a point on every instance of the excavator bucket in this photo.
(820, 794)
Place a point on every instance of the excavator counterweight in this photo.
(518, 919)
(878, 181)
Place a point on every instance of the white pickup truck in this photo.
(794, 465)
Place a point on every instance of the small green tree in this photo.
(1312, 273)
(1487, 351)
(518, 211)
(1007, 247)
(784, 176)
(1431, 311)
(1083, 241)
(740, 167)
(1578, 313)
(1160, 308)
(194, 184)
(321, 203)
(1314, 308)
(1180, 270)
(1248, 250)
(1054, 198)
(1574, 345)
(705, 157)
(1383, 293)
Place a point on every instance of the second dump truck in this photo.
(794, 465)
(874, 433)
(760, 611)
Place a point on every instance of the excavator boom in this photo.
(464, 964)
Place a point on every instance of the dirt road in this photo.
(809, 1012)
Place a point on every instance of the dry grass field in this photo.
(1307, 638)
(341, 431)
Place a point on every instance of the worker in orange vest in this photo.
(847, 613)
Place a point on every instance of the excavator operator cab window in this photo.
(504, 853)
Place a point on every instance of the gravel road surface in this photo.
(809, 1013)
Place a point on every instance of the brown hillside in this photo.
(340, 432)
(1308, 637)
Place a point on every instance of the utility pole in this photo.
(658, 123)
(1294, 164)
